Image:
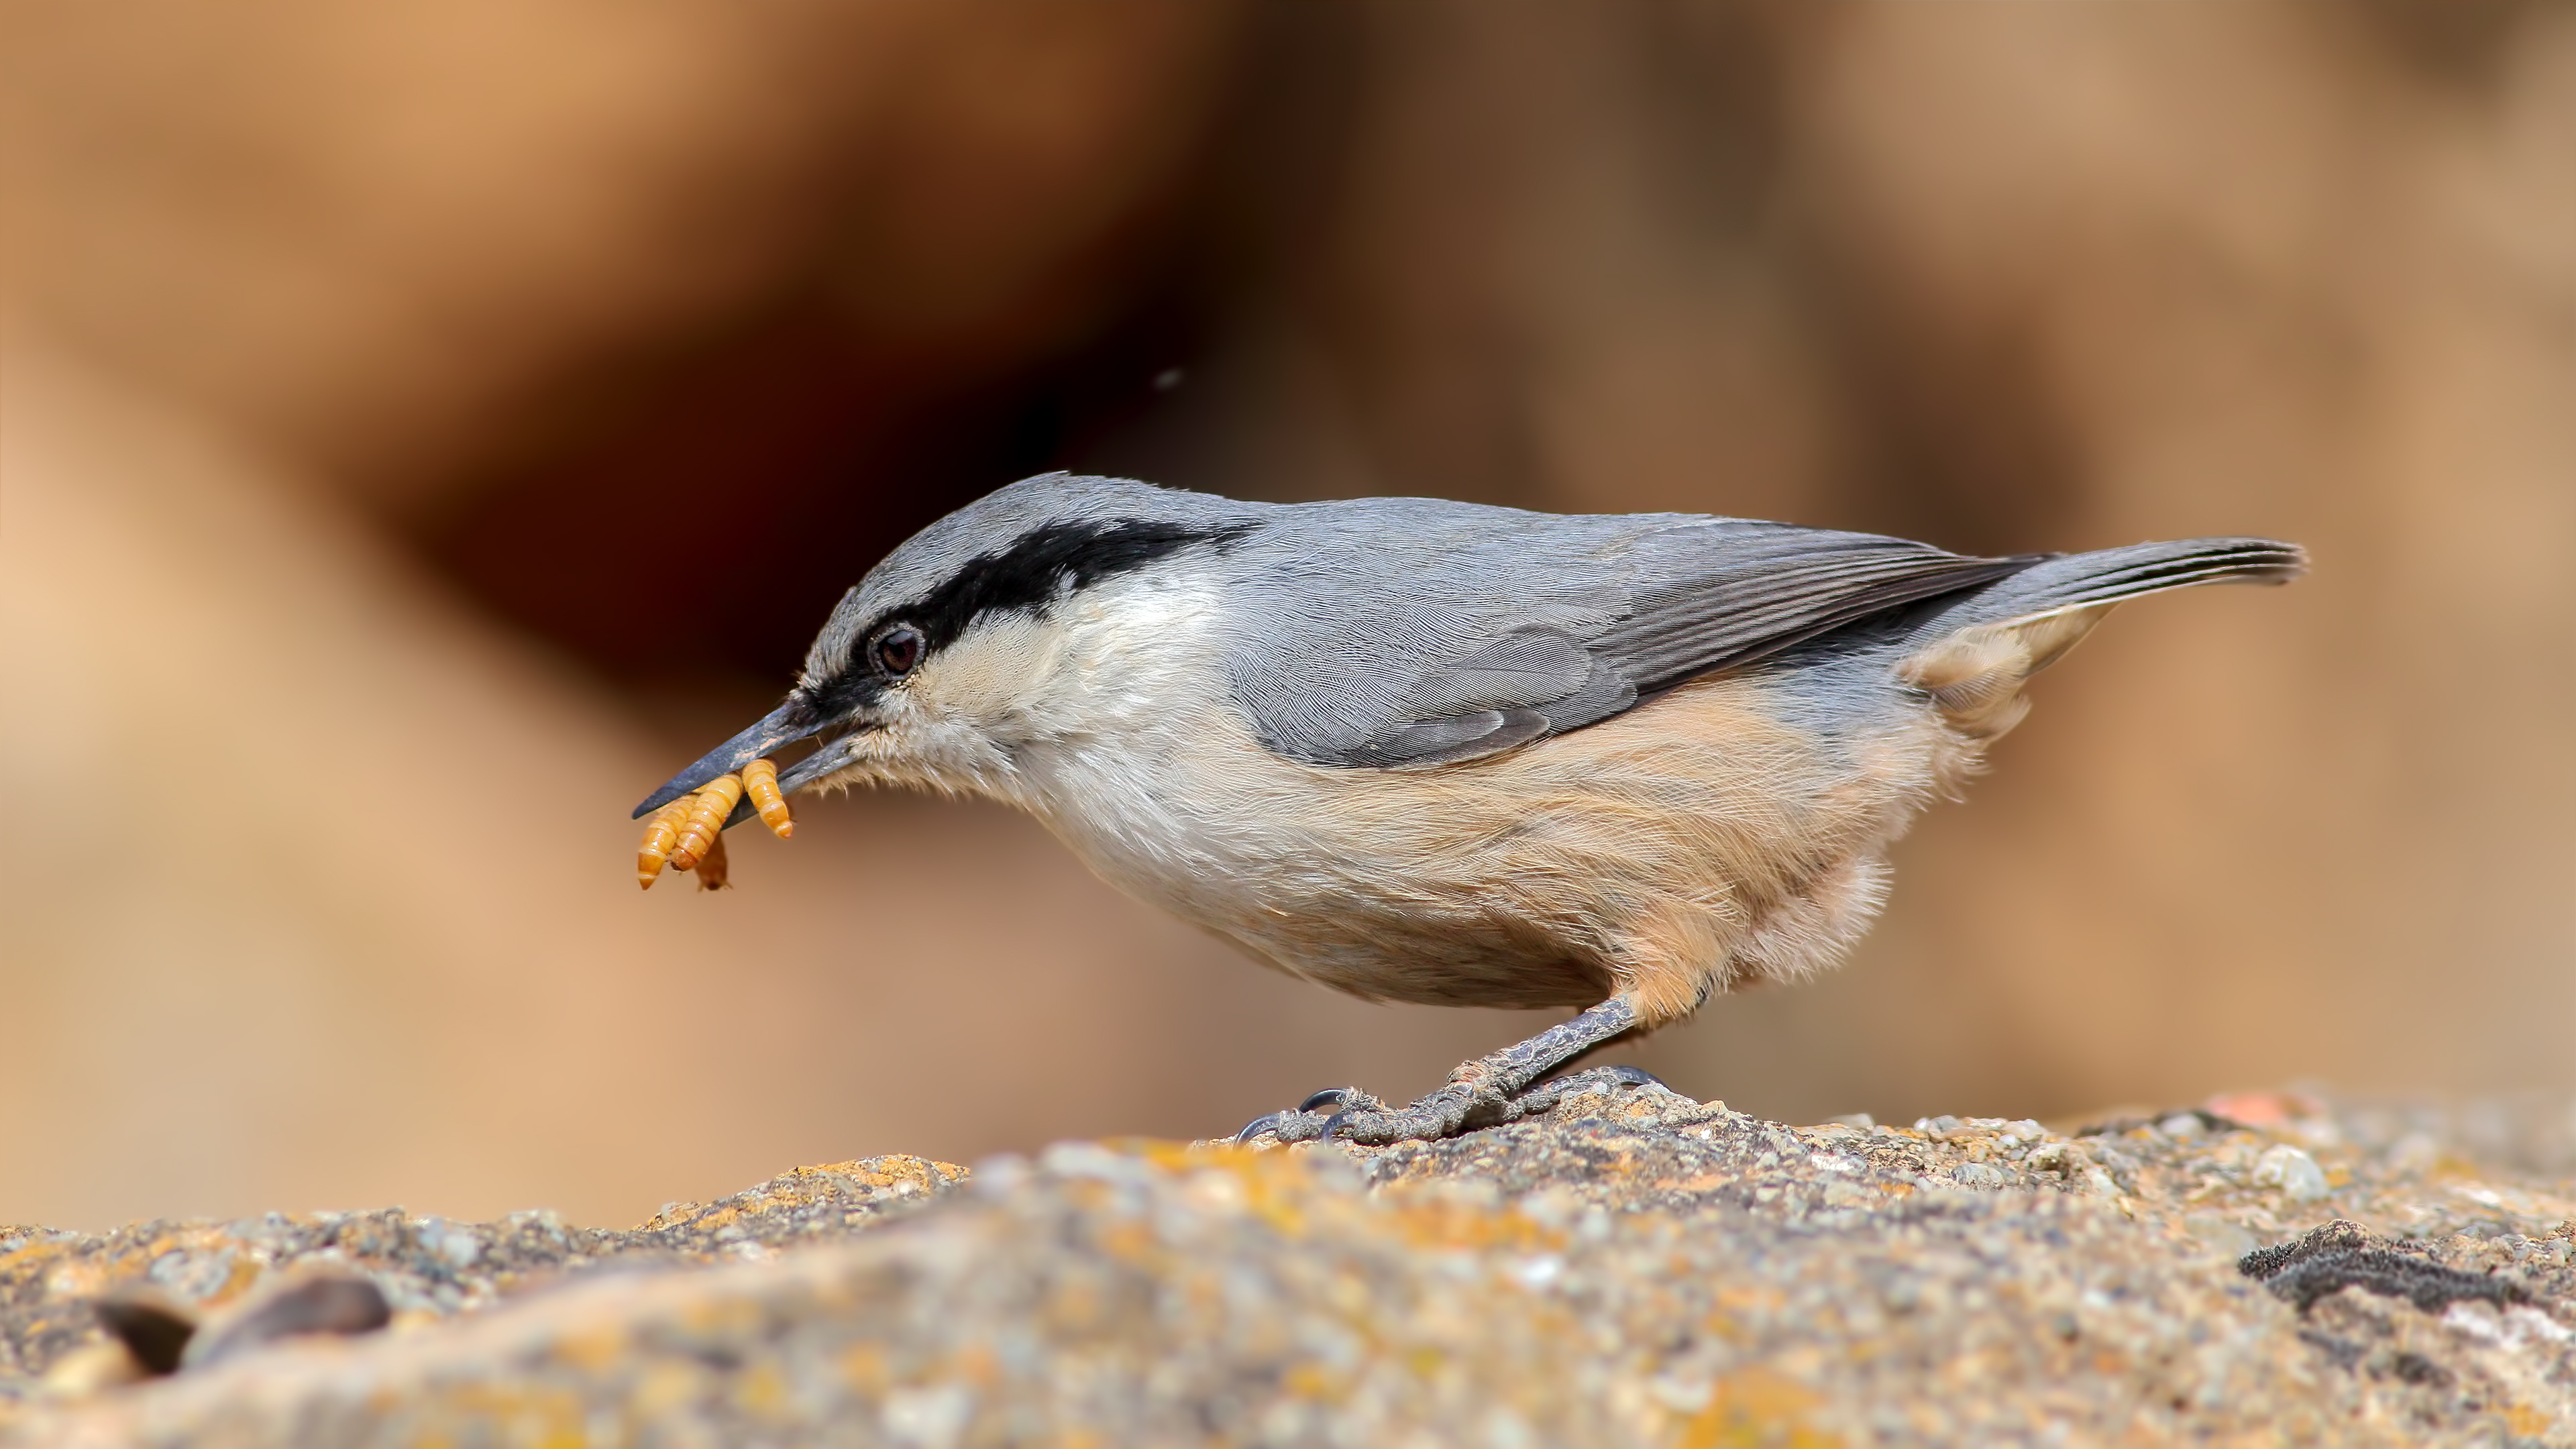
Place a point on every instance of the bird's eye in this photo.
(898, 649)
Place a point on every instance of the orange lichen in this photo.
(1428, 1221)
(2527, 1422)
(594, 1346)
(864, 1365)
(1757, 1408)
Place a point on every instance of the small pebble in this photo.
(2293, 1173)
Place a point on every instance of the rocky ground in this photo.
(1638, 1269)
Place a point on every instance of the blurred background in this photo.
(429, 424)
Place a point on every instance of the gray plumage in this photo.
(1395, 632)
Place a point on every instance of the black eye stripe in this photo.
(1044, 562)
(1027, 577)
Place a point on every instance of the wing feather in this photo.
(1759, 597)
(1696, 597)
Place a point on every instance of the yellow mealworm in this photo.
(760, 781)
(714, 872)
(661, 835)
(705, 823)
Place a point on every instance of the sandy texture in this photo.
(1639, 1270)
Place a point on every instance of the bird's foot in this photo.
(1491, 1090)
(1468, 1101)
(1608, 1081)
(1305, 1121)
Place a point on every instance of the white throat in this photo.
(1059, 714)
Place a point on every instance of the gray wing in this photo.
(1448, 633)
(1716, 602)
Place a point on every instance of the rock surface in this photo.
(1630, 1270)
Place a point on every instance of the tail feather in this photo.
(1972, 658)
(2081, 580)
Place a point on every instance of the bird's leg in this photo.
(1489, 1090)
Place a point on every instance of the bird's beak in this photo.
(790, 722)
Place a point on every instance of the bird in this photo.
(1429, 751)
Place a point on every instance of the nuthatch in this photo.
(1441, 752)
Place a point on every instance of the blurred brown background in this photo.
(426, 425)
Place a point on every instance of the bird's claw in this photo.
(1286, 1126)
(1574, 1084)
(1308, 1120)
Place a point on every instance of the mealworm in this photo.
(760, 781)
(715, 872)
(661, 835)
(704, 824)
(688, 833)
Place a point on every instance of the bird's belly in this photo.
(1691, 841)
